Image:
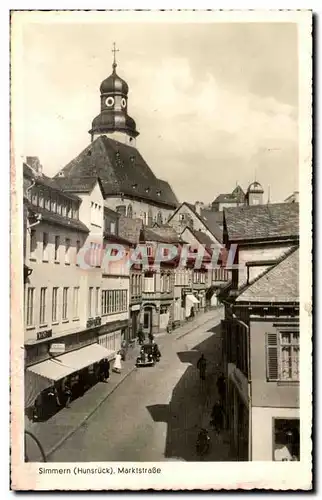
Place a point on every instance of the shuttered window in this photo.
(272, 356)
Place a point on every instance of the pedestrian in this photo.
(117, 367)
(202, 366)
(217, 416)
(151, 337)
(106, 370)
(141, 336)
(68, 395)
(221, 386)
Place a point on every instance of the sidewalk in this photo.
(61, 426)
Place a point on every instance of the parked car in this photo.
(147, 355)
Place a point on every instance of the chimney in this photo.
(34, 163)
(198, 206)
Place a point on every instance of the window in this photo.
(149, 250)
(64, 212)
(130, 211)
(53, 204)
(113, 301)
(159, 218)
(90, 302)
(30, 307)
(45, 247)
(34, 197)
(33, 243)
(283, 355)
(121, 209)
(47, 202)
(54, 305)
(65, 303)
(286, 439)
(41, 199)
(182, 217)
(57, 244)
(78, 246)
(97, 294)
(42, 316)
(76, 302)
(149, 283)
(67, 251)
(150, 217)
(69, 209)
(112, 227)
(144, 217)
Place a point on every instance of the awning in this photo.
(54, 369)
(192, 299)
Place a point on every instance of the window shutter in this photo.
(271, 356)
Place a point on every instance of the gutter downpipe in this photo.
(249, 389)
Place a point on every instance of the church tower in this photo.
(113, 120)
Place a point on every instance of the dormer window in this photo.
(147, 190)
(132, 159)
(159, 193)
(134, 186)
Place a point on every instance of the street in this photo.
(156, 413)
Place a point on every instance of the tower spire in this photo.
(114, 50)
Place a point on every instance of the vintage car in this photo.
(147, 355)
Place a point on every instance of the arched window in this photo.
(159, 219)
(150, 217)
(130, 211)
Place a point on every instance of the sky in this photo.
(215, 104)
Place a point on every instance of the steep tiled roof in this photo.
(162, 235)
(237, 196)
(202, 238)
(257, 222)
(213, 222)
(121, 169)
(47, 182)
(57, 219)
(76, 184)
(130, 229)
(279, 284)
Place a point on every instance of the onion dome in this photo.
(114, 84)
(112, 121)
(255, 187)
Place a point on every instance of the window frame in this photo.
(30, 307)
(277, 346)
(45, 243)
(76, 303)
(42, 306)
(54, 305)
(65, 304)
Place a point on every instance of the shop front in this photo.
(134, 321)
(237, 416)
(46, 382)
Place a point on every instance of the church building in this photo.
(128, 183)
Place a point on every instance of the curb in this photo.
(193, 329)
(93, 410)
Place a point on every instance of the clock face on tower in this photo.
(109, 101)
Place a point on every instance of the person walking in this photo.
(217, 417)
(141, 336)
(117, 367)
(151, 337)
(106, 370)
(221, 386)
(68, 395)
(202, 366)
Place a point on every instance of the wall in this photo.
(85, 212)
(259, 252)
(138, 208)
(268, 394)
(262, 430)
(198, 225)
(117, 283)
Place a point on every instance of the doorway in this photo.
(147, 320)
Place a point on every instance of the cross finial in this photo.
(114, 50)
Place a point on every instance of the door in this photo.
(147, 320)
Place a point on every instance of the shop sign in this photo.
(44, 334)
(57, 349)
(92, 322)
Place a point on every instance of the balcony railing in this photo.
(220, 274)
